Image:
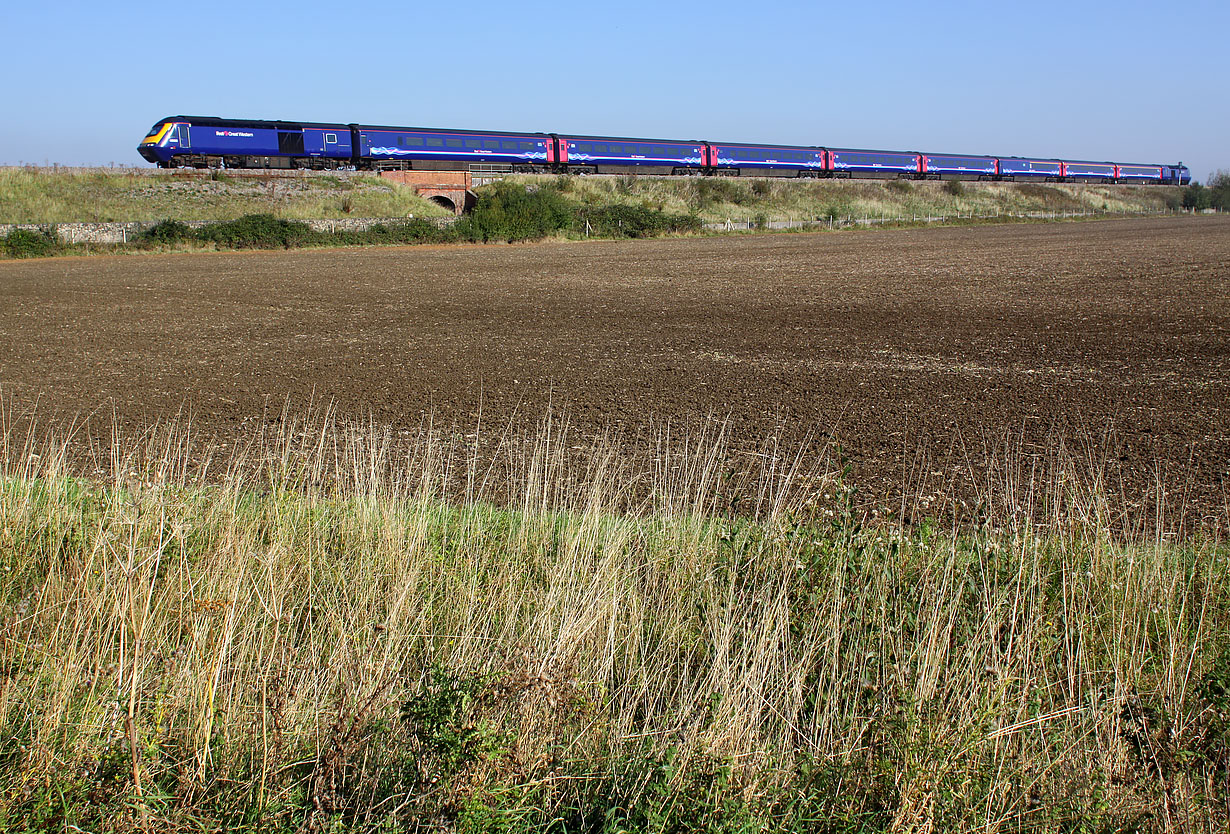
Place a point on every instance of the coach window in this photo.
(435, 143)
(473, 143)
(491, 144)
(453, 143)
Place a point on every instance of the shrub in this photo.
(637, 222)
(168, 231)
(1197, 197)
(22, 243)
(900, 186)
(511, 212)
(713, 190)
(259, 231)
(762, 188)
(956, 188)
(412, 231)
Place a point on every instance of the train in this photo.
(213, 142)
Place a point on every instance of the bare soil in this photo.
(939, 360)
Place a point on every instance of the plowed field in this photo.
(936, 358)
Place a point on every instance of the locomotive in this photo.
(212, 142)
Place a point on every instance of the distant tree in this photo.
(1197, 197)
(1219, 190)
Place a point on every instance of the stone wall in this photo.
(124, 232)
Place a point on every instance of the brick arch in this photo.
(450, 189)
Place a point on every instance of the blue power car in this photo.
(210, 142)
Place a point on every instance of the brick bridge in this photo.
(450, 189)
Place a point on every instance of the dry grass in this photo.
(314, 629)
(719, 199)
(31, 195)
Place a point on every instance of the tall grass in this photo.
(719, 199)
(325, 628)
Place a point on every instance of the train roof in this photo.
(268, 124)
(408, 129)
(962, 155)
(869, 150)
(628, 139)
(770, 145)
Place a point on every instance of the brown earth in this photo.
(939, 359)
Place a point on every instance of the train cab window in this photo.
(182, 131)
(330, 138)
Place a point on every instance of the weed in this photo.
(318, 639)
(22, 243)
(510, 212)
(169, 231)
(259, 231)
(636, 221)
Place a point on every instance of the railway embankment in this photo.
(63, 196)
(78, 212)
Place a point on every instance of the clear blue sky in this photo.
(1102, 79)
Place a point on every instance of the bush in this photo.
(762, 188)
(168, 231)
(900, 186)
(259, 231)
(956, 188)
(713, 190)
(22, 243)
(412, 231)
(1197, 197)
(637, 222)
(511, 212)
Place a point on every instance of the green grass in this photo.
(319, 632)
(31, 195)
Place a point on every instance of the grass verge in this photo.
(316, 632)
